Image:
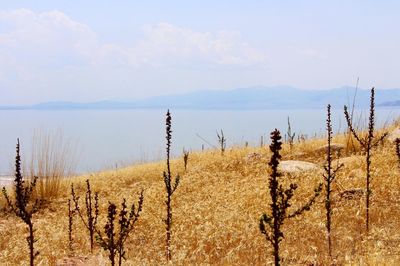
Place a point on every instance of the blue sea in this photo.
(105, 139)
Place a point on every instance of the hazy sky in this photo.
(92, 50)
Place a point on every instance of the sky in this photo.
(94, 50)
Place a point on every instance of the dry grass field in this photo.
(216, 212)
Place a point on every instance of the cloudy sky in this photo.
(93, 50)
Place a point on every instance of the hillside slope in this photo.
(216, 211)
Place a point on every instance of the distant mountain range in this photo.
(280, 97)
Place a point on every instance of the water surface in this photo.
(112, 138)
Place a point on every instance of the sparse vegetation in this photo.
(92, 210)
(367, 142)
(185, 158)
(397, 145)
(24, 205)
(270, 224)
(215, 219)
(71, 213)
(113, 240)
(289, 135)
(52, 159)
(221, 141)
(329, 176)
(170, 186)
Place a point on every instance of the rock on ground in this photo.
(335, 147)
(394, 134)
(291, 166)
(81, 261)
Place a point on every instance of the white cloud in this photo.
(52, 39)
(168, 41)
(50, 56)
(45, 39)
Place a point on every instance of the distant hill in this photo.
(280, 97)
(391, 103)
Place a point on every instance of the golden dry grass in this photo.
(216, 211)
(52, 159)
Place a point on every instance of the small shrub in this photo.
(289, 135)
(350, 142)
(221, 141)
(329, 176)
(185, 158)
(270, 224)
(114, 240)
(302, 138)
(397, 145)
(71, 213)
(92, 211)
(367, 142)
(170, 187)
(24, 206)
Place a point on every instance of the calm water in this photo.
(106, 139)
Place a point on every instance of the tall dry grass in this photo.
(52, 159)
(217, 208)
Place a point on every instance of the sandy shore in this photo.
(5, 180)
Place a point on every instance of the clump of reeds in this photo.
(221, 141)
(170, 186)
(92, 210)
(367, 143)
(329, 176)
(270, 224)
(185, 158)
(114, 239)
(24, 206)
(52, 159)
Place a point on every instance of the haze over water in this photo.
(105, 139)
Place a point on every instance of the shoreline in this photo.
(6, 180)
